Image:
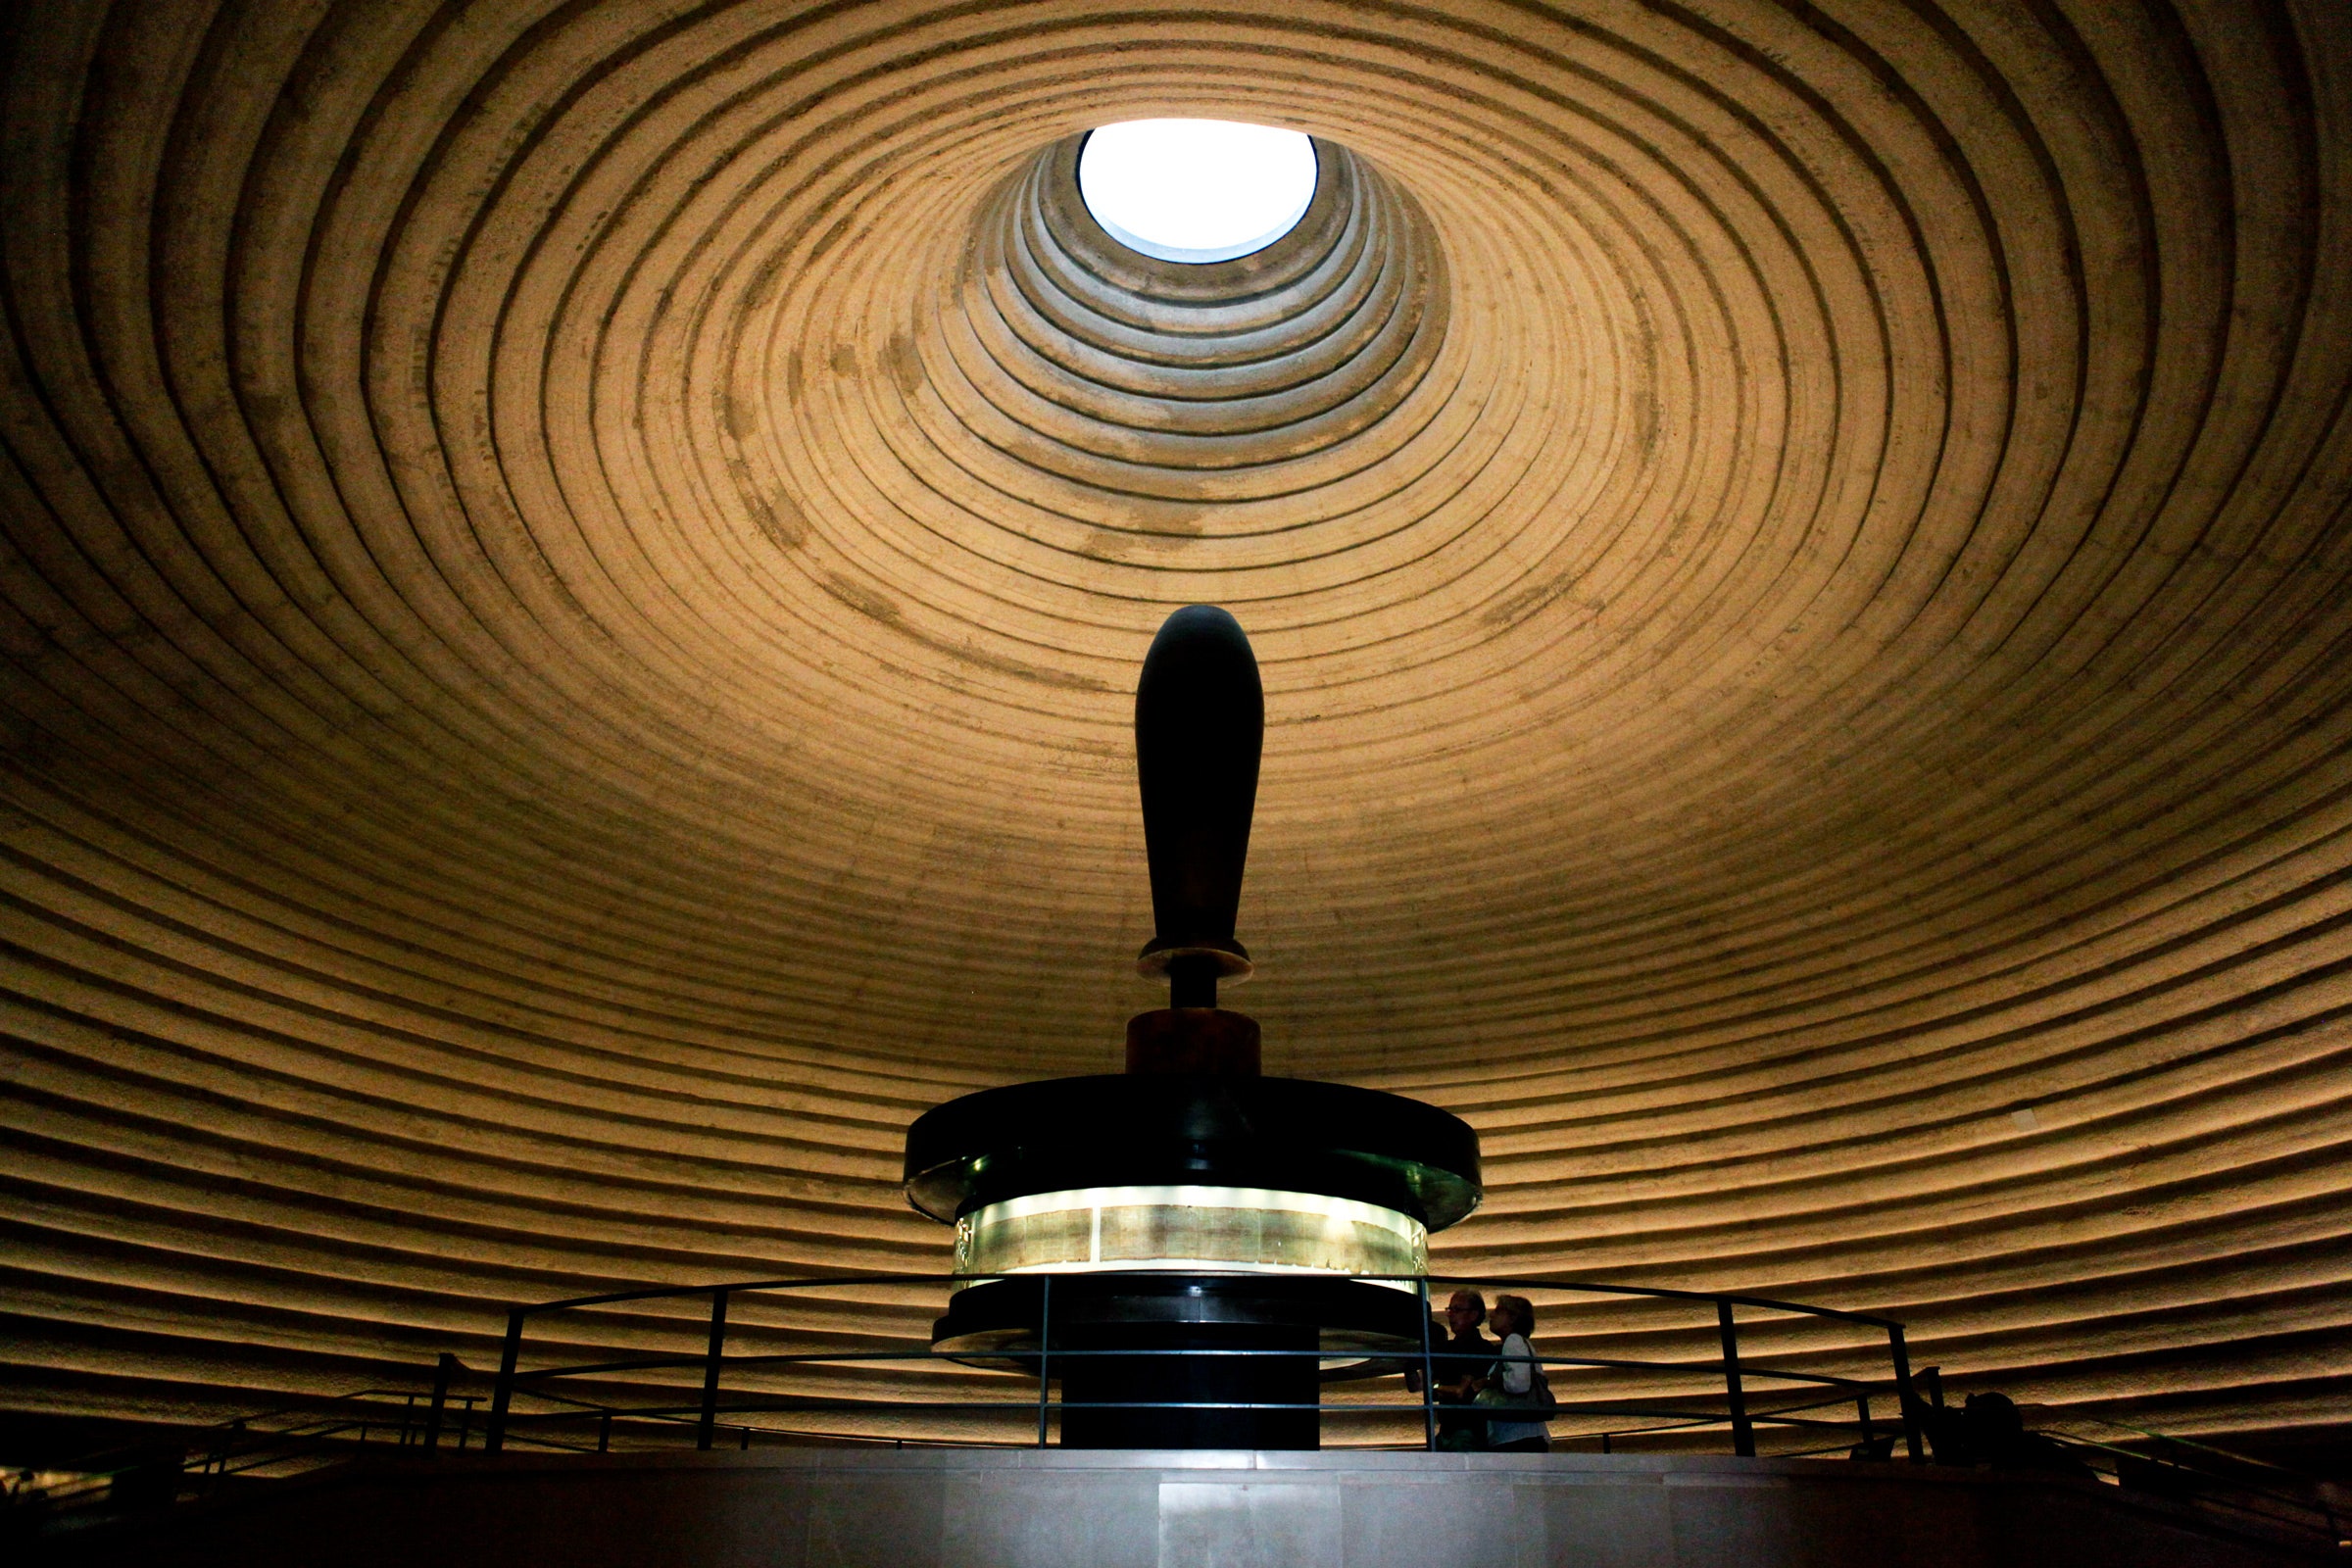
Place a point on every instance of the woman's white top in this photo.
(1517, 1361)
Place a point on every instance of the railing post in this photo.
(604, 1433)
(1045, 1348)
(1905, 1400)
(1743, 1434)
(432, 1417)
(1862, 1412)
(224, 1441)
(719, 1344)
(1429, 1379)
(502, 1395)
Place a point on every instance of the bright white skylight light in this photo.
(1195, 190)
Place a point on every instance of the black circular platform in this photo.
(1340, 1317)
(1143, 1129)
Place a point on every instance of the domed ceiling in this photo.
(574, 575)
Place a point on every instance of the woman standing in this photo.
(1513, 1381)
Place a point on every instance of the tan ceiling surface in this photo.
(573, 576)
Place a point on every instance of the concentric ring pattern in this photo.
(573, 577)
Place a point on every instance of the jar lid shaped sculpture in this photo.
(1190, 1204)
(1200, 729)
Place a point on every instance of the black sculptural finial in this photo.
(1231, 1229)
(1200, 726)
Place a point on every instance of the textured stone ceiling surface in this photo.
(573, 575)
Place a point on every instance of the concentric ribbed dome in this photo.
(573, 580)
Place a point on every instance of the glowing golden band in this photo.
(1245, 1228)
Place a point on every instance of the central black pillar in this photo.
(1195, 1377)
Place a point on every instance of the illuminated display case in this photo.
(1176, 1225)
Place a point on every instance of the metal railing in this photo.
(2254, 1495)
(650, 1398)
(710, 1392)
(263, 1444)
(278, 1440)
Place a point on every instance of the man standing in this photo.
(1459, 1360)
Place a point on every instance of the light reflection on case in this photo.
(1247, 1229)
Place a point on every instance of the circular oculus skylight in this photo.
(1195, 190)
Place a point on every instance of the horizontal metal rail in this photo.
(1341, 1353)
(1037, 1361)
(1484, 1281)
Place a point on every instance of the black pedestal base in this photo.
(1172, 1337)
(1191, 1372)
